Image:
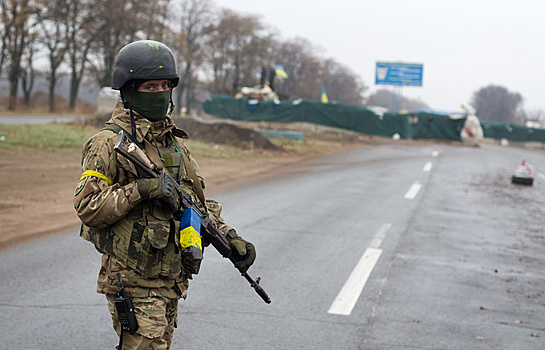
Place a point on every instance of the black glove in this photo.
(244, 252)
(162, 188)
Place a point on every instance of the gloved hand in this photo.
(244, 251)
(162, 188)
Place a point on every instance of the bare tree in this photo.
(6, 23)
(17, 17)
(311, 78)
(28, 73)
(80, 35)
(236, 50)
(195, 20)
(218, 58)
(241, 31)
(496, 104)
(306, 73)
(117, 23)
(52, 21)
(343, 85)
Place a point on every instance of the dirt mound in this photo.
(224, 133)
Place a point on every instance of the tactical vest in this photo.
(147, 239)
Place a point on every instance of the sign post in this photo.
(398, 74)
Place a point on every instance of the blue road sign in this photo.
(405, 74)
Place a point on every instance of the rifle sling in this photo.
(152, 154)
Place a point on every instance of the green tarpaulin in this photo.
(512, 132)
(409, 126)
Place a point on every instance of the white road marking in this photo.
(427, 167)
(541, 176)
(351, 291)
(434, 153)
(413, 191)
(379, 237)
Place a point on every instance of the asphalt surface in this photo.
(454, 255)
(38, 119)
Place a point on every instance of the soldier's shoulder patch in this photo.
(81, 185)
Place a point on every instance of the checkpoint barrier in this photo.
(337, 115)
(421, 125)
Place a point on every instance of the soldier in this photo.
(130, 218)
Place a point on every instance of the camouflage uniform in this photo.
(137, 237)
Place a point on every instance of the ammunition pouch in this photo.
(142, 246)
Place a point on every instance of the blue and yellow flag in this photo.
(324, 95)
(280, 71)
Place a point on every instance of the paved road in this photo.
(38, 119)
(394, 246)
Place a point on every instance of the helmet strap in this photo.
(171, 104)
(125, 103)
(133, 125)
(131, 114)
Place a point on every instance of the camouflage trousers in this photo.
(156, 316)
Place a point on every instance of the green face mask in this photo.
(151, 105)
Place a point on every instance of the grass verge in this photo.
(61, 137)
(47, 137)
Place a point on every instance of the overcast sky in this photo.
(464, 45)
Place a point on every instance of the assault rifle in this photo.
(209, 231)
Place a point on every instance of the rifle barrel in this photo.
(258, 289)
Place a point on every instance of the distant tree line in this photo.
(215, 48)
(384, 98)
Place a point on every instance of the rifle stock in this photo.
(209, 231)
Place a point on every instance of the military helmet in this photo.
(144, 60)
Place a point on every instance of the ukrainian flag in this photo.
(324, 95)
(280, 71)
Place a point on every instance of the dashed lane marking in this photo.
(413, 190)
(353, 287)
(351, 291)
(427, 167)
(379, 237)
